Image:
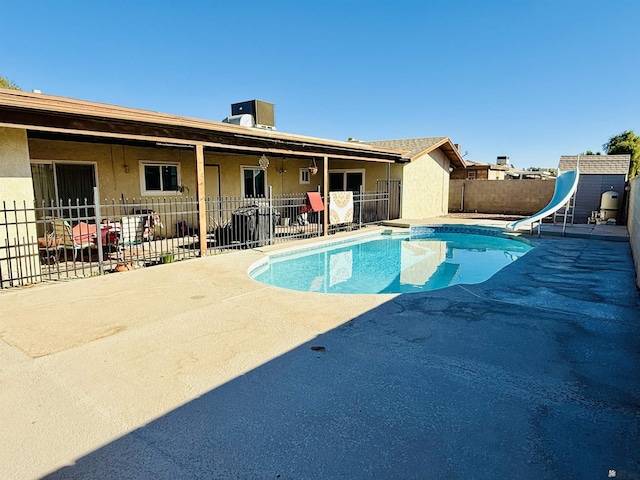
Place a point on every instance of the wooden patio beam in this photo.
(178, 142)
(202, 204)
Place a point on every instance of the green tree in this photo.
(6, 83)
(625, 143)
(589, 152)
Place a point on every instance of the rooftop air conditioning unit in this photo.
(262, 112)
(503, 160)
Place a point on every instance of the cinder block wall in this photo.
(523, 197)
(633, 224)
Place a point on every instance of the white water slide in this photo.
(566, 186)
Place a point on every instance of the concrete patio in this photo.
(192, 370)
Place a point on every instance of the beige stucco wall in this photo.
(117, 166)
(119, 174)
(16, 186)
(633, 223)
(283, 174)
(15, 172)
(118, 169)
(501, 196)
(425, 186)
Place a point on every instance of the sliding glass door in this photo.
(60, 185)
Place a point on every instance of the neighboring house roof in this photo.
(60, 115)
(471, 164)
(596, 164)
(414, 147)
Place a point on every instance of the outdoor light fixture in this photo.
(263, 162)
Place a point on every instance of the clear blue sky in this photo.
(531, 79)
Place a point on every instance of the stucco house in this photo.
(65, 147)
(424, 170)
(55, 149)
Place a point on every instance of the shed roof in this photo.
(414, 147)
(596, 164)
(61, 115)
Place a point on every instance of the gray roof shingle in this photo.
(596, 164)
(413, 146)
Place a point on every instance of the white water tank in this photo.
(609, 204)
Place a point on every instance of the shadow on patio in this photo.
(537, 379)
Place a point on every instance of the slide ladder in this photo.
(566, 213)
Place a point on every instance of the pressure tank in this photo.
(609, 204)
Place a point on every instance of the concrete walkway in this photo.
(192, 370)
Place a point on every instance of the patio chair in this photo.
(76, 241)
(49, 245)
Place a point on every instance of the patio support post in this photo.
(202, 205)
(325, 193)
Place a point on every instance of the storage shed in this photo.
(598, 174)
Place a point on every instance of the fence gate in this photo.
(392, 187)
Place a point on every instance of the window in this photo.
(63, 181)
(304, 175)
(472, 175)
(346, 180)
(159, 178)
(254, 182)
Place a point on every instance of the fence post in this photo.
(270, 215)
(96, 202)
(319, 215)
(360, 207)
(388, 199)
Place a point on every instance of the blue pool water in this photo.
(392, 264)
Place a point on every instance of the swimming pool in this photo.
(400, 263)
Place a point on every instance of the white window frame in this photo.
(252, 167)
(151, 163)
(472, 175)
(305, 176)
(344, 172)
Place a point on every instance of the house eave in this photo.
(44, 113)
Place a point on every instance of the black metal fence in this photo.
(65, 240)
